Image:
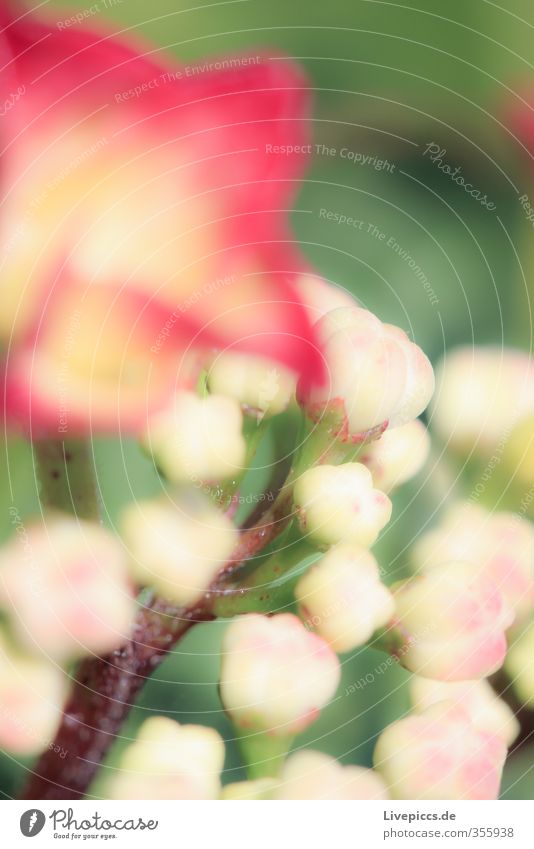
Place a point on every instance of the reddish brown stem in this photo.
(105, 688)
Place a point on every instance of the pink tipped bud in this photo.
(485, 709)
(178, 548)
(338, 504)
(170, 761)
(376, 377)
(451, 623)
(313, 775)
(398, 455)
(198, 439)
(439, 754)
(32, 693)
(500, 544)
(342, 598)
(275, 675)
(67, 586)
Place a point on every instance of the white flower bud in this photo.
(481, 394)
(32, 693)
(178, 548)
(485, 709)
(198, 439)
(398, 455)
(501, 544)
(451, 622)
(376, 376)
(342, 598)
(67, 586)
(520, 666)
(439, 754)
(313, 775)
(275, 675)
(262, 387)
(338, 504)
(170, 761)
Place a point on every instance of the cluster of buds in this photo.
(109, 332)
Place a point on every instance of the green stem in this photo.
(262, 754)
(67, 476)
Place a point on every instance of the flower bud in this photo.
(198, 439)
(481, 394)
(320, 297)
(179, 547)
(338, 504)
(398, 455)
(275, 675)
(32, 693)
(485, 709)
(170, 761)
(500, 544)
(520, 666)
(452, 622)
(439, 754)
(262, 387)
(260, 789)
(313, 775)
(376, 376)
(66, 582)
(342, 599)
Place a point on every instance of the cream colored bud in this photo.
(520, 666)
(439, 754)
(398, 455)
(179, 547)
(486, 710)
(338, 504)
(481, 394)
(451, 622)
(67, 587)
(501, 544)
(320, 297)
(376, 376)
(275, 675)
(198, 439)
(313, 775)
(262, 387)
(260, 789)
(170, 761)
(32, 694)
(342, 598)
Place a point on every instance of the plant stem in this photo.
(66, 476)
(105, 688)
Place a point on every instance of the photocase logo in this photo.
(32, 822)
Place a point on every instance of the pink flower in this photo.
(141, 220)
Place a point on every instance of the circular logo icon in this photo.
(32, 822)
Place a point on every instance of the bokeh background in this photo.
(388, 80)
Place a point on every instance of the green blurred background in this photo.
(388, 79)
